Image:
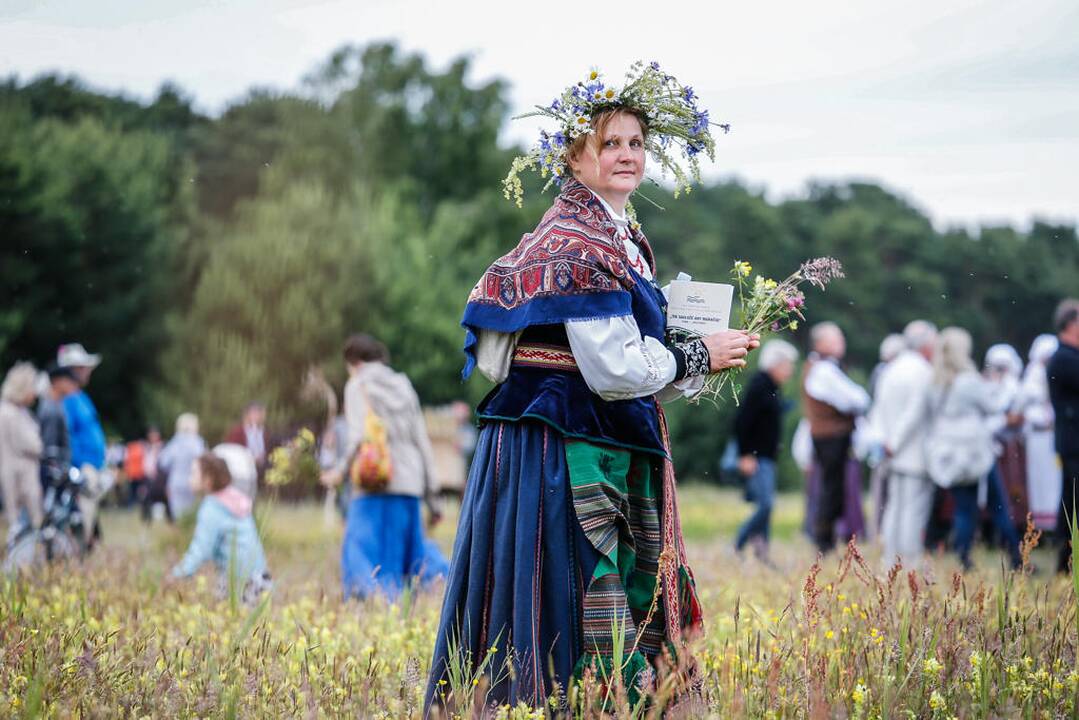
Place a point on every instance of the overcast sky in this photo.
(969, 109)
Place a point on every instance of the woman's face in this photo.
(621, 161)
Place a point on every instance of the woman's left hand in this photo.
(729, 348)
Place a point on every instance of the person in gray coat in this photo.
(176, 461)
(959, 450)
(385, 548)
(20, 447)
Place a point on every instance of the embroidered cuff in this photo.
(691, 359)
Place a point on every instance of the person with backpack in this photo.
(389, 462)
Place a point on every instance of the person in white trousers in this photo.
(898, 414)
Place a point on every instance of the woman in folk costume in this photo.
(1043, 470)
(569, 524)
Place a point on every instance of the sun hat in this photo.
(75, 355)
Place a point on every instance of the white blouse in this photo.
(616, 362)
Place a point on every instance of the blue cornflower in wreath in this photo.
(675, 130)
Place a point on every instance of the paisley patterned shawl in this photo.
(571, 267)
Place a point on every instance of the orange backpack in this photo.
(371, 468)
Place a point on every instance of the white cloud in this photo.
(968, 108)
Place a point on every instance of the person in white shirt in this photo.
(831, 401)
(1043, 470)
(899, 416)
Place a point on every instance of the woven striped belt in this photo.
(548, 357)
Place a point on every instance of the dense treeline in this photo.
(213, 260)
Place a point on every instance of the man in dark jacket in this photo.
(56, 446)
(756, 428)
(1063, 372)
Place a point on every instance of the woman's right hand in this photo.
(729, 348)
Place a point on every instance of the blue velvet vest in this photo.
(562, 399)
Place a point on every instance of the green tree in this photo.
(88, 220)
(270, 303)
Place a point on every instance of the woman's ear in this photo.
(572, 161)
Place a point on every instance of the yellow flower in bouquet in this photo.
(770, 306)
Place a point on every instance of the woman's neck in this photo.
(616, 206)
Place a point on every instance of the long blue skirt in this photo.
(519, 569)
(384, 547)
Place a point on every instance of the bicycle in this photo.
(61, 535)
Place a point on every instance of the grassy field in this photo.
(840, 639)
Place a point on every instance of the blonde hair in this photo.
(20, 382)
(952, 356)
(187, 423)
(593, 141)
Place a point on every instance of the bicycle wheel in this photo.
(64, 546)
(24, 553)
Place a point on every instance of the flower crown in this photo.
(677, 130)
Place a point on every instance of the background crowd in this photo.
(951, 444)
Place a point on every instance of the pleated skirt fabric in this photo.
(519, 570)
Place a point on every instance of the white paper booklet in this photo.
(696, 308)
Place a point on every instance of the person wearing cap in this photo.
(84, 430)
(84, 427)
(56, 452)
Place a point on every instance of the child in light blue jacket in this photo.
(225, 532)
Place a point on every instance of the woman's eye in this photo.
(636, 144)
(610, 143)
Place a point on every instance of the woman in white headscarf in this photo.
(1005, 488)
(1032, 402)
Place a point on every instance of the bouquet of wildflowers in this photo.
(294, 462)
(770, 306)
(678, 130)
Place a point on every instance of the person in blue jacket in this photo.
(83, 426)
(85, 435)
(225, 533)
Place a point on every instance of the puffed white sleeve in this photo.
(494, 353)
(618, 364)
